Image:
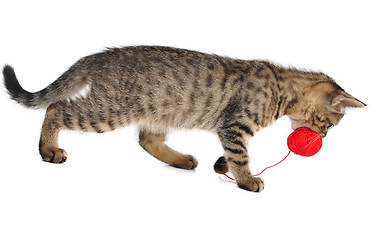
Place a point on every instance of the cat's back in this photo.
(154, 64)
(178, 87)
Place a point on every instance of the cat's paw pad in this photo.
(252, 184)
(221, 166)
(187, 162)
(54, 155)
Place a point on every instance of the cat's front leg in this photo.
(234, 143)
(243, 176)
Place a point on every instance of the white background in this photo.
(111, 189)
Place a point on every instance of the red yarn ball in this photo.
(305, 142)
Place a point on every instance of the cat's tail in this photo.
(60, 89)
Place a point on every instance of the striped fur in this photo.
(163, 88)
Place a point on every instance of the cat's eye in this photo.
(330, 126)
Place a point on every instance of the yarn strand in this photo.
(263, 169)
(273, 165)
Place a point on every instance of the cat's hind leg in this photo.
(154, 145)
(48, 146)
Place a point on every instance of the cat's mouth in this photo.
(297, 124)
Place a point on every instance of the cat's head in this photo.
(322, 106)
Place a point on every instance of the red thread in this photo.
(263, 169)
(303, 141)
(229, 177)
(272, 165)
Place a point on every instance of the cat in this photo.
(162, 89)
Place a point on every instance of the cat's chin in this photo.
(296, 124)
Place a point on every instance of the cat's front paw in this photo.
(221, 166)
(253, 184)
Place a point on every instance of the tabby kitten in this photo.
(162, 88)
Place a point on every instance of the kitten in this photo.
(162, 88)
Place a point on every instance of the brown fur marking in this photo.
(163, 88)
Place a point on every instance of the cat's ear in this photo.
(341, 100)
